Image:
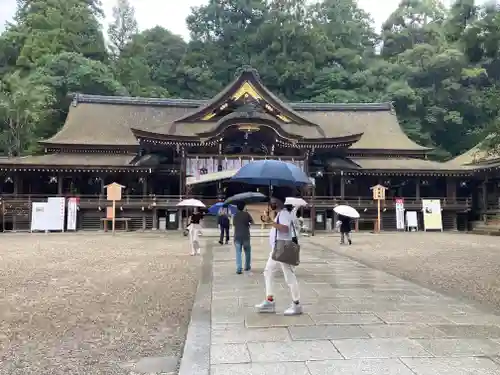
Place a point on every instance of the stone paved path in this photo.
(357, 320)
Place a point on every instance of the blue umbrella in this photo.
(271, 172)
(249, 197)
(214, 210)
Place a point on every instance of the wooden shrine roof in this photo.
(72, 161)
(104, 121)
(476, 158)
(108, 121)
(410, 165)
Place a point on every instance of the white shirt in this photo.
(285, 218)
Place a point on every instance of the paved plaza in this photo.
(357, 320)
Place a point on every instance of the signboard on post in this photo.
(114, 194)
(400, 214)
(378, 195)
(431, 209)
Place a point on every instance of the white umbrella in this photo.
(296, 202)
(190, 203)
(347, 211)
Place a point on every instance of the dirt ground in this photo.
(87, 303)
(461, 265)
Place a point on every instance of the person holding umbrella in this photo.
(345, 216)
(282, 229)
(276, 173)
(345, 229)
(194, 228)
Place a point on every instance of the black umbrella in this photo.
(250, 197)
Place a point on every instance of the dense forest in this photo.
(439, 66)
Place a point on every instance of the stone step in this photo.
(486, 231)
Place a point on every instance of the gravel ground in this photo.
(87, 303)
(461, 265)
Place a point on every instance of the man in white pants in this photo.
(283, 228)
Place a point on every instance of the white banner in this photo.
(198, 166)
(72, 213)
(400, 214)
(55, 213)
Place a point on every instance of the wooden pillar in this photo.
(144, 195)
(312, 191)
(417, 188)
(182, 185)
(342, 185)
(17, 181)
(484, 195)
(220, 191)
(60, 183)
(451, 188)
(103, 183)
(330, 185)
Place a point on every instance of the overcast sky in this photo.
(172, 14)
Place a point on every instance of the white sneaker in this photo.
(294, 309)
(266, 307)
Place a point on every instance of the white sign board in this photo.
(400, 214)
(38, 222)
(431, 209)
(72, 213)
(411, 220)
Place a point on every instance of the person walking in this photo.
(345, 229)
(241, 223)
(223, 221)
(194, 228)
(282, 229)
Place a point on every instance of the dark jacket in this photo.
(223, 219)
(196, 217)
(345, 226)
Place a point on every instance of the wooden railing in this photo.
(171, 200)
(367, 202)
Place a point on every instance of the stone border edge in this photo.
(195, 358)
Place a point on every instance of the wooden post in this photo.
(378, 215)
(378, 195)
(114, 193)
(113, 221)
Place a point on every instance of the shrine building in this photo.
(163, 150)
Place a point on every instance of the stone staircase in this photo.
(489, 228)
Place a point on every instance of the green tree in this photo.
(123, 27)
(149, 63)
(224, 35)
(413, 22)
(49, 27)
(68, 73)
(22, 107)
